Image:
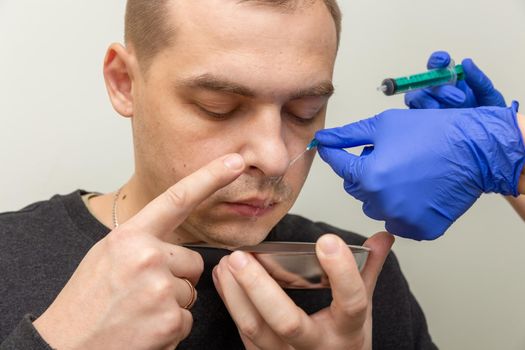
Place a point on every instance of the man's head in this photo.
(149, 29)
(201, 79)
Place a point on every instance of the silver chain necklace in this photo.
(115, 207)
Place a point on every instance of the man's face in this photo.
(240, 78)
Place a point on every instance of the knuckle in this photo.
(149, 258)
(251, 281)
(375, 179)
(290, 328)
(172, 325)
(372, 211)
(178, 196)
(116, 237)
(250, 328)
(124, 239)
(131, 250)
(356, 306)
(162, 289)
(211, 174)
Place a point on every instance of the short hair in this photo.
(148, 31)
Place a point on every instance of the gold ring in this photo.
(193, 297)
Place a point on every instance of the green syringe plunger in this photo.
(434, 77)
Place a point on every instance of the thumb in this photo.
(343, 163)
(482, 87)
(379, 245)
(355, 134)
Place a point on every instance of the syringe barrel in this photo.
(431, 78)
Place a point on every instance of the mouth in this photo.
(255, 207)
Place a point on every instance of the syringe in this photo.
(434, 77)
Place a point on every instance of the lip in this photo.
(260, 203)
(252, 207)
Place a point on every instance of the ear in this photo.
(119, 68)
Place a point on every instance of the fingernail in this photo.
(238, 260)
(329, 245)
(234, 162)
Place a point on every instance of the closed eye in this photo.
(300, 120)
(216, 115)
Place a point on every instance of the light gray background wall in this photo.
(58, 133)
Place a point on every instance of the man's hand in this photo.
(128, 292)
(268, 319)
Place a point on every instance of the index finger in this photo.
(162, 215)
(356, 134)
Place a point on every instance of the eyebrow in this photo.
(323, 89)
(210, 82)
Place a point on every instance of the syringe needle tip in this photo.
(312, 144)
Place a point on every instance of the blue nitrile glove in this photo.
(475, 91)
(426, 167)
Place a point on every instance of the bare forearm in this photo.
(518, 203)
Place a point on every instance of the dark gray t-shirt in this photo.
(41, 246)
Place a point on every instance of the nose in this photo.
(265, 149)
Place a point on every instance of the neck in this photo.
(132, 198)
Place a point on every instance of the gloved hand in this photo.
(426, 167)
(475, 91)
